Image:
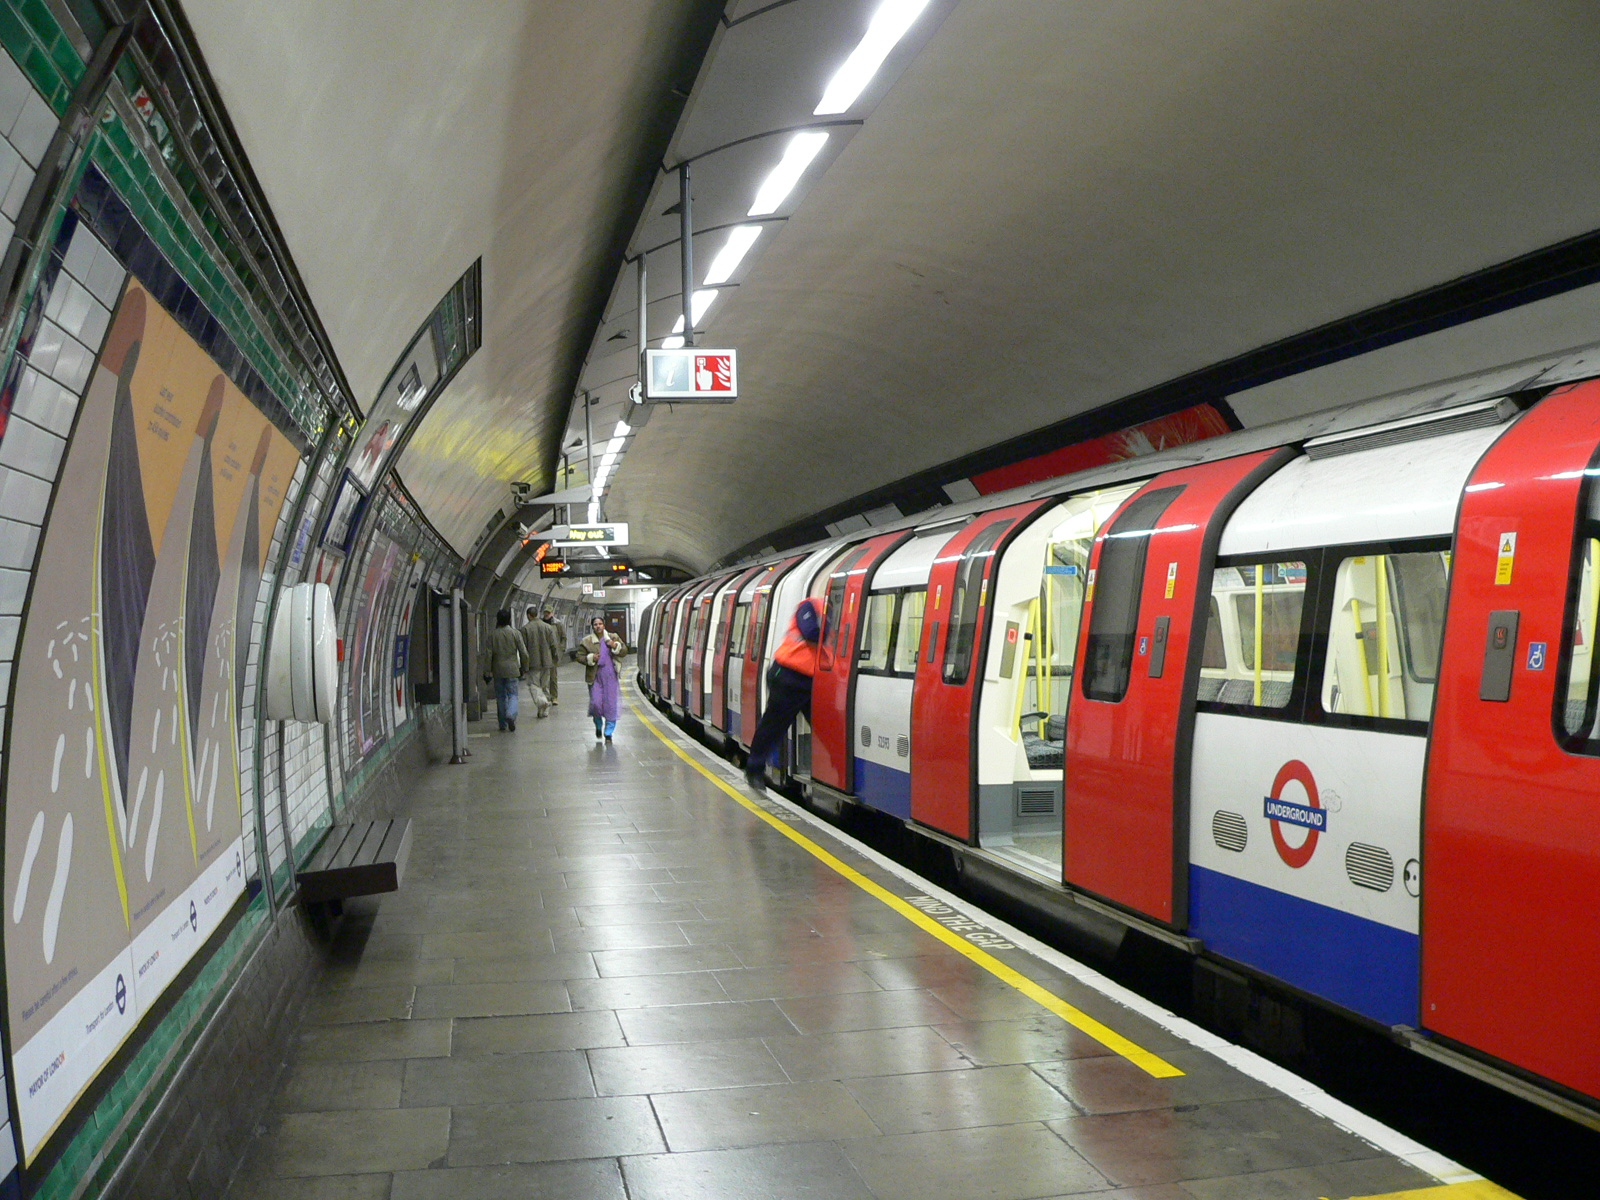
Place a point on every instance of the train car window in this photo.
(1114, 622)
(877, 632)
(1253, 634)
(1580, 684)
(967, 600)
(833, 615)
(908, 632)
(1214, 657)
(740, 632)
(1384, 635)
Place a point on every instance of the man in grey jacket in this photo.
(558, 648)
(508, 662)
(537, 636)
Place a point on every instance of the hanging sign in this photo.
(691, 375)
(613, 533)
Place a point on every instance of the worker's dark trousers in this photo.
(788, 695)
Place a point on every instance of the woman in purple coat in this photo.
(601, 651)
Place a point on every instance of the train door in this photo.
(694, 627)
(1324, 615)
(722, 641)
(700, 648)
(680, 637)
(1511, 844)
(1124, 820)
(739, 648)
(658, 643)
(810, 579)
(832, 690)
(755, 646)
(1027, 684)
(947, 670)
(885, 669)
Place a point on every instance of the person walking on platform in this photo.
(558, 644)
(508, 662)
(540, 640)
(602, 651)
(788, 689)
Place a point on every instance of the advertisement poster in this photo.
(123, 823)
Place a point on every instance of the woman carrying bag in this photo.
(601, 651)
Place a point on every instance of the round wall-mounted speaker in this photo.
(300, 670)
(324, 655)
(280, 656)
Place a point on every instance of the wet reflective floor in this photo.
(604, 977)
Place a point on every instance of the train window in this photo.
(1578, 696)
(833, 615)
(877, 632)
(740, 631)
(1215, 655)
(1114, 622)
(1253, 634)
(1385, 633)
(908, 634)
(967, 600)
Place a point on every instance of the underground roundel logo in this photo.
(1281, 810)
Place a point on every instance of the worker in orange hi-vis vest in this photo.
(788, 688)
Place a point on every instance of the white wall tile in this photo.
(13, 590)
(23, 497)
(18, 544)
(105, 277)
(14, 92)
(29, 448)
(45, 402)
(34, 127)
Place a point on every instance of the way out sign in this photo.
(691, 375)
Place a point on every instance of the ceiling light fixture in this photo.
(740, 239)
(889, 24)
(780, 181)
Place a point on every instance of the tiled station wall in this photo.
(169, 1112)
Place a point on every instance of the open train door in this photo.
(721, 649)
(1510, 871)
(1131, 723)
(754, 655)
(954, 629)
(832, 689)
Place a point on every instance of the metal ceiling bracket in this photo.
(686, 253)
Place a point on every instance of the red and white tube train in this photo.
(1317, 699)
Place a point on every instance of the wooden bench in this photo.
(363, 859)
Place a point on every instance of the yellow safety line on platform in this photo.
(1107, 1037)
(1477, 1189)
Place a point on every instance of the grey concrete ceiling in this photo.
(1055, 205)
(398, 141)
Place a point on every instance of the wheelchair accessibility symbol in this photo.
(1536, 655)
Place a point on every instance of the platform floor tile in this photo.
(604, 977)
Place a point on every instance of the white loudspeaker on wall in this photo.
(303, 660)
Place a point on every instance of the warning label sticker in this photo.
(1505, 557)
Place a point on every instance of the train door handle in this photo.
(1499, 656)
(1158, 647)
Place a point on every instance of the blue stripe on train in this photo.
(1365, 966)
(884, 788)
(730, 722)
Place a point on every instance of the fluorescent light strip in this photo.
(740, 239)
(889, 24)
(780, 181)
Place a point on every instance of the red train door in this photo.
(1125, 818)
(754, 656)
(1510, 867)
(694, 624)
(832, 690)
(694, 700)
(666, 622)
(948, 668)
(721, 642)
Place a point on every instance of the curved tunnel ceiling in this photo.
(1053, 206)
(399, 141)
